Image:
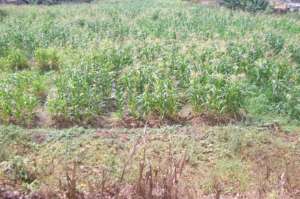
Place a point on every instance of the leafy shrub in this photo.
(3, 50)
(46, 59)
(15, 60)
(20, 94)
(247, 5)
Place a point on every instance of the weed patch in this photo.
(20, 96)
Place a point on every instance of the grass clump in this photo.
(276, 42)
(18, 171)
(231, 174)
(14, 60)
(295, 51)
(46, 59)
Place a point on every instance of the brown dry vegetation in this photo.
(171, 162)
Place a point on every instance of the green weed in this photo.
(20, 95)
(233, 173)
(295, 54)
(276, 42)
(15, 60)
(46, 59)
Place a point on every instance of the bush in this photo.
(46, 59)
(247, 5)
(15, 60)
(20, 94)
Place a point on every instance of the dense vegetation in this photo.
(82, 61)
(247, 5)
(117, 64)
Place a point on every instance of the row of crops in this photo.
(128, 58)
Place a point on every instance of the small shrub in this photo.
(247, 5)
(46, 59)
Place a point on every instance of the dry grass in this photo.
(172, 162)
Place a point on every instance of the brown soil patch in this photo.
(39, 138)
(211, 119)
(97, 122)
(43, 118)
(152, 121)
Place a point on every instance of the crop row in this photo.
(158, 78)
